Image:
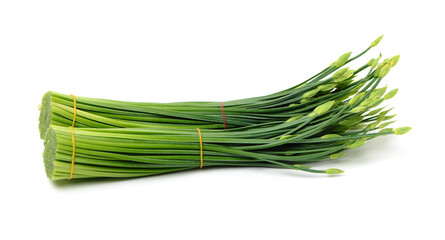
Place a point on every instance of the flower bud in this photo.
(383, 125)
(340, 72)
(322, 109)
(345, 76)
(334, 171)
(402, 130)
(373, 44)
(304, 100)
(374, 102)
(351, 121)
(344, 84)
(330, 136)
(366, 102)
(310, 93)
(372, 125)
(395, 60)
(338, 155)
(342, 59)
(286, 137)
(326, 87)
(385, 70)
(385, 130)
(382, 114)
(388, 117)
(391, 94)
(377, 93)
(358, 109)
(354, 99)
(373, 112)
(357, 143)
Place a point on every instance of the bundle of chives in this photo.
(314, 121)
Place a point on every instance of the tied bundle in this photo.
(316, 120)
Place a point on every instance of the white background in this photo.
(165, 51)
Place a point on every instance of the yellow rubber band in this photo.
(72, 137)
(200, 143)
(74, 154)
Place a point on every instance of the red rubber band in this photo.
(223, 115)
